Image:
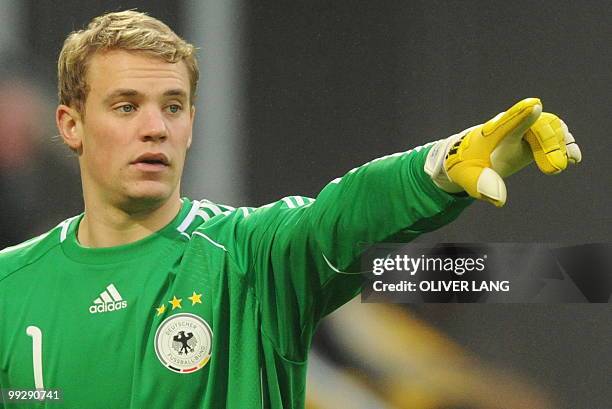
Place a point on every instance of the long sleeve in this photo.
(302, 255)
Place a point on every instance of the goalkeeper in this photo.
(151, 300)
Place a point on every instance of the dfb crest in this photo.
(183, 343)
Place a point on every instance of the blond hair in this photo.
(126, 30)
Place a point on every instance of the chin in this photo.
(147, 195)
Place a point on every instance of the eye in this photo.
(174, 108)
(126, 108)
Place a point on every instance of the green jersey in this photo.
(217, 309)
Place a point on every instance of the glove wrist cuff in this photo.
(434, 164)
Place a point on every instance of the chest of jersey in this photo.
(166, 330)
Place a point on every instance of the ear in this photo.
(192, 114)
(68, 122)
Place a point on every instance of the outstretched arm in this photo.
(301, 255)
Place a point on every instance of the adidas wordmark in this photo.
(108, 301)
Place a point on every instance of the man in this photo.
(150, 300)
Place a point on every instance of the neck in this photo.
(105, 225)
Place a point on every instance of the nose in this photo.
(153, 127)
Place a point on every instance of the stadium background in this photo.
(293, 95)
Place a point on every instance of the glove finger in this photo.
(546, 137)
(513, 123)
(574, 155)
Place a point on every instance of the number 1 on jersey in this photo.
(36, 335)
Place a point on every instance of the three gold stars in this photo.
(195, 298)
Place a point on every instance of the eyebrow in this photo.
(127, 92)
(176, 93)
(120, 93)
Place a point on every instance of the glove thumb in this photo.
(480, 182)
(491, 187)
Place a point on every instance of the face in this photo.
(133, 137)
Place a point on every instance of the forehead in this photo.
(147, 74)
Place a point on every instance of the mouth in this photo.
(151, 161)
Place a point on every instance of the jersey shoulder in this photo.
(213, 219)
(239, 231)
(206, 214)
(231, 229)
(16, 257)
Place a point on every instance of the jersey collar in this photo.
(144, 247)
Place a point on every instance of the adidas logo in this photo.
(109, 300)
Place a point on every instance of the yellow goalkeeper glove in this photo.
(477, 159)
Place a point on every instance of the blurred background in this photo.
(295, 94)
